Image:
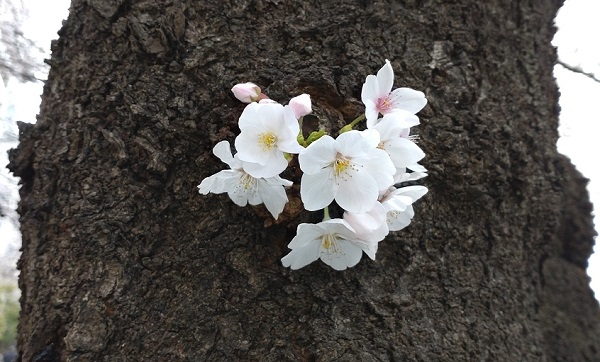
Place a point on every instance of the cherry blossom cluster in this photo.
(362, 171)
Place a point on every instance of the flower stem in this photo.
(349, 126)
(326, 213)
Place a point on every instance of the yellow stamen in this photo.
(267, 140)
(340, 165)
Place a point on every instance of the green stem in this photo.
(349, 126)
(326, 213)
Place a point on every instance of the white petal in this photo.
(220, 182)
(357, 193)
(385, 78)
(403, 152)
(402, 119)
(414, 192)
(317, 190)
(399, 220)
(371, 113)
(249, 116)
(248, 146)
(370, 90)
(223, 151)
(354, 144)
(273, 196)
(380, 167)
(306, 234)
(273, 167)
(317, 155)
(417, 168)
(340, 256)
(301, 257)
(408, 99)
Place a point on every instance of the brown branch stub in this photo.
(577, 69)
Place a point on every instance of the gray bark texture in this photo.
(123, 260)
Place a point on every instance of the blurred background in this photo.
(28, 26)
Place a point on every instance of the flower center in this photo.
(330, 244)
(384, 105)
(246, 181)
(267, 140)
(340, 165)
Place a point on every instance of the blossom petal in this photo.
(317, 155)
(273, 167)
(359, 195)
(341, 256)
(385, 79)
(403, 152)
(408, 99)
(317, 190)
(301, 257)
(306, 234)
(273, 196)
(370, 90)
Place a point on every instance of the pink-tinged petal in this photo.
(317, 155)
(341, 256)
(273, 196)
(273, 167)
(317, 190)
(301, 105)
(358, 195)
(385, 79)
(403, 152)
(408, 99)
(246, 92)
(370, 226)
(301, 257)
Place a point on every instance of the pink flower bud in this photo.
(301, 105)
(246, 92)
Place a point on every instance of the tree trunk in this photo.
(124, 260)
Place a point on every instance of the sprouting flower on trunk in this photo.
(243, 188)
(333, 241)
(350, 169)
(362, 171)
(378, 97)
(267, 131)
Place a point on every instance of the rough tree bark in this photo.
(123, 260)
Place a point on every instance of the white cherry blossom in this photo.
(243, 188)
(333, 241)
(350, 169)
(378, 97)
(267, 131)
(398, 205)
(393, 129)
